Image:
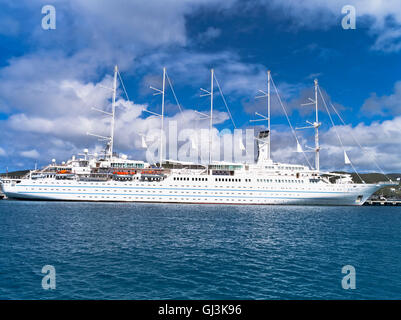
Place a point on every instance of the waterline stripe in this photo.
(196, 189)
(171, 195)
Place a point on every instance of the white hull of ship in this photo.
(198, 193)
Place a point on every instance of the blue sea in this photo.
(168, 251)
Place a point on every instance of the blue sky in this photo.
(49, 79)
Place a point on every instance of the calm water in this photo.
(149, 251)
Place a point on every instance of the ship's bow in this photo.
(372, 188)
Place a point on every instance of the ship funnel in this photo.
(263, 147)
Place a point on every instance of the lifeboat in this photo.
(64, 172)
(122, 173)
(151, 172)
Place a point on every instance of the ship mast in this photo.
(162, 92)
(162, 118)
(211, 116)
(316, 125)
(266, 143)
(268, 114)
(113, 112)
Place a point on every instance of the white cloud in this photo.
(2, 152)
(234, 76)
(388, 40)
(380, 141)
(384, 16)
(32, 154)
(210, 34)
(386, 104)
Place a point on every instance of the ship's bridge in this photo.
(127, 164)
(225, 168)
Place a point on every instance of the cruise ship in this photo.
(111, 177)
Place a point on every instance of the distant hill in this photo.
(375, 177)
(19, 173)
(372, 177)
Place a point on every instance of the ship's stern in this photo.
(1, 188)
(9, 187)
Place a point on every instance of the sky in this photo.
(51, 79)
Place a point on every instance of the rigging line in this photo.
(172, 90)
(360, 146)
(336, 131)
(122, 83)
(225, 103)
(288, 120)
